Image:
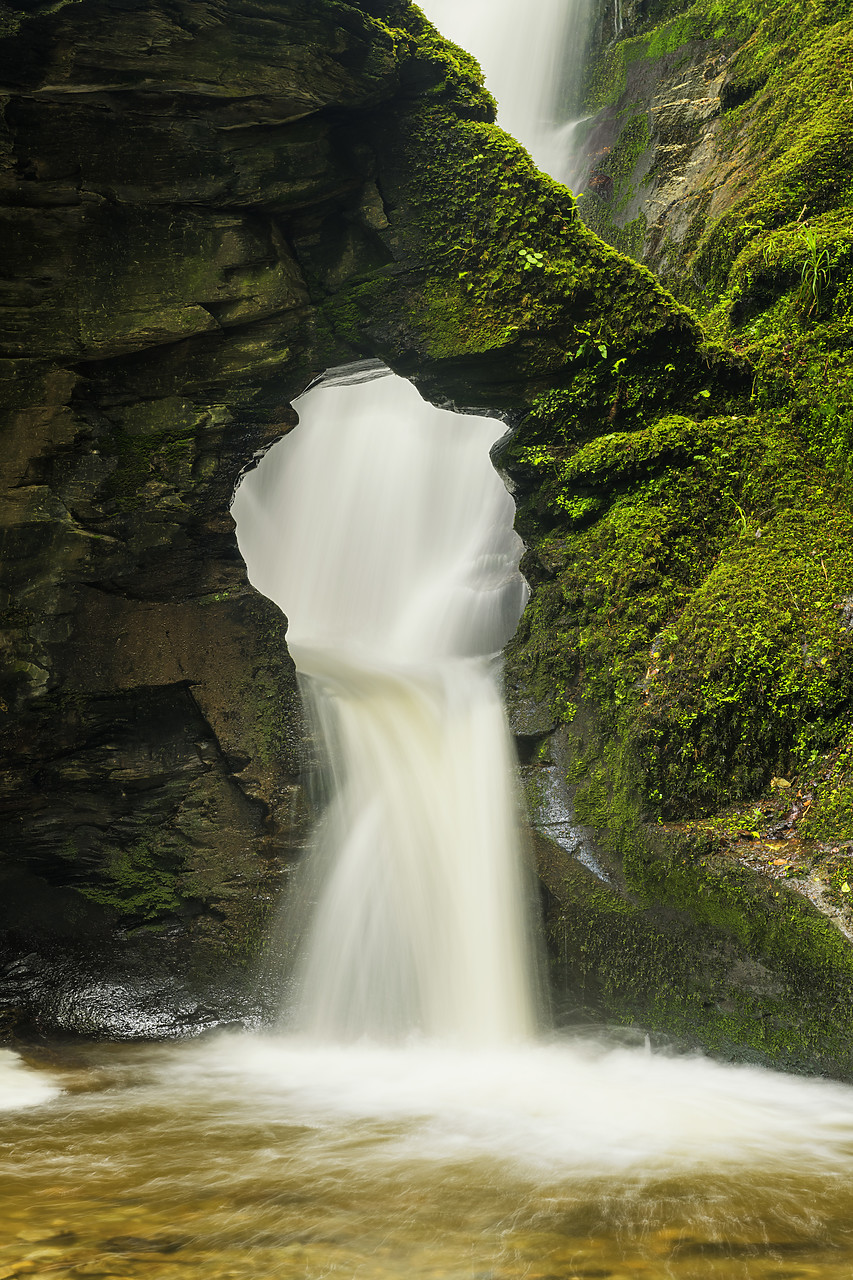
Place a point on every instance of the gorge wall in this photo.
(684, 671)
(207, 204)
(204, 206)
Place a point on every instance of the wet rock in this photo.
(531, 719)
(157, 988)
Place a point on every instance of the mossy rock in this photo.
(676, 934)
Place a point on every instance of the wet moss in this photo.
(139, 882)
(685, 940)
(689, 546)
(699, 984)
(700, 606)
(609, 73)
(831, 814)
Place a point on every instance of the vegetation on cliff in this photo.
(693, 561)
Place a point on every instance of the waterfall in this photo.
(383, 532)
(382, 529)
(532, 55)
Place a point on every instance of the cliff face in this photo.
(686, 660)
(204, 205)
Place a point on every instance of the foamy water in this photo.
(241, 1157)
(558, 1110)
(566, 1108)
(22, 1085)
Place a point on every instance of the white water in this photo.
(548, 1110)
(21, 1085)
(531, 52)
(382, 529)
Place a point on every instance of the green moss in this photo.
(693, 944)
(140, 881)
(701, 607)
(754, 676)
(609, 76)
(503, 262)
(619, 454)
(699, 984)
(831, 815)
(795, 127)
(691, 555)
(734, 665)
(457, 75)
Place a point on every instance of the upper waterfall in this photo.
(532, 57)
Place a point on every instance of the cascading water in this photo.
(382, 528)
(532, 55)
(383, 532)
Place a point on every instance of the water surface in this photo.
(261, 1157)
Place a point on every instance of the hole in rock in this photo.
(382, 530)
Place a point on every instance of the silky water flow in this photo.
(384, 531)
(532, 55)
(410, 1123)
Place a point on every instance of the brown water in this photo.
(255, 1158)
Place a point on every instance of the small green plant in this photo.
(537, 456)
(815, 272)
(531, 259)
(589, 345)
(744, 526)
(564, 708)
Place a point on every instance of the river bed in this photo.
(256, 1157)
